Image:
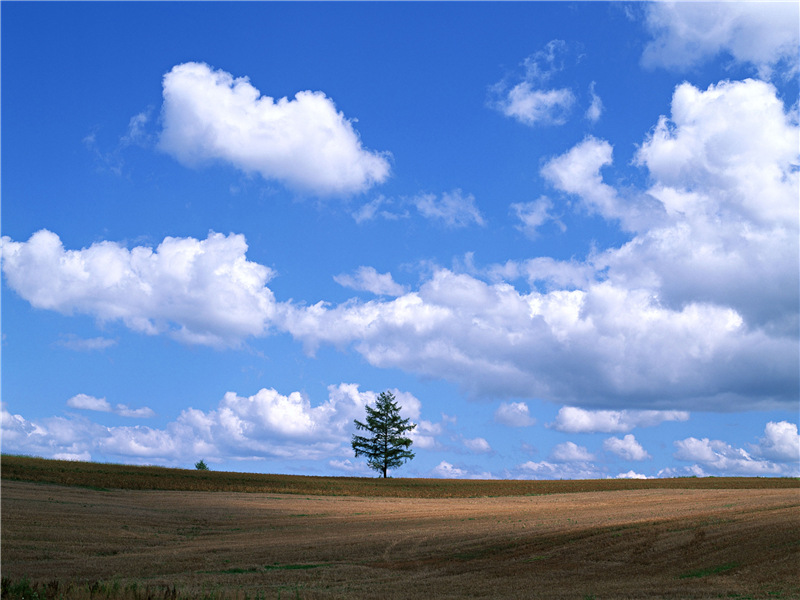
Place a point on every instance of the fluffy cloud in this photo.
(425, 434)
(780, 443)
(778, 453)
(549, 470)
(73, 342)
(577, 172)
(86, 402)
(606, 344)
(720, 457)
(369, 280)
(724, 169)
(631, 475)
(305, 142)
(454, 209)
(266, 424)
(570, 452)
(531, 106)
(572, 419)
(478, 445)
(627, 448)
(716, 155)
(529, 101)
(446, 470)
(198, 291)
(55, 437)
(764, 35)
(514, 414)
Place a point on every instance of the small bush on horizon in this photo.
(201, 465)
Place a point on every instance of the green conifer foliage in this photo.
(387, 447)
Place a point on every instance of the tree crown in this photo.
(387, 447)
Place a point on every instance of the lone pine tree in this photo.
(387, 447)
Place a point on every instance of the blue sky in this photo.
(564, 235)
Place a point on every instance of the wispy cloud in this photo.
(86, 402)
(369, 280)
(532, 215)
(595, 109)
(454, 209)
(79, 344)
(532, 100)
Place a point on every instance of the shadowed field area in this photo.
(628, 543)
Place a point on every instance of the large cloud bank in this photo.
(305, 142)
(699, 310)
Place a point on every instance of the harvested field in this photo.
(131, 477)
(640, 543)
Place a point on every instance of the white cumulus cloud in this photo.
(577, 172)
(570, 452)
(446, 470)
(724, 169)
(557, 470)
(198, 291)
(572, 419)
(781, 442)
(626, 447)
(304, 142)
(631, 475)
(691, 313)
(514, 414)
(267, 424)
(478, 445)
(531, 106)
(685, 34)
(86, 402)
(778, 453)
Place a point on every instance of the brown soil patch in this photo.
(742, 543)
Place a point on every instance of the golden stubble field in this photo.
(642, 543)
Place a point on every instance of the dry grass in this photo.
(641, 543)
